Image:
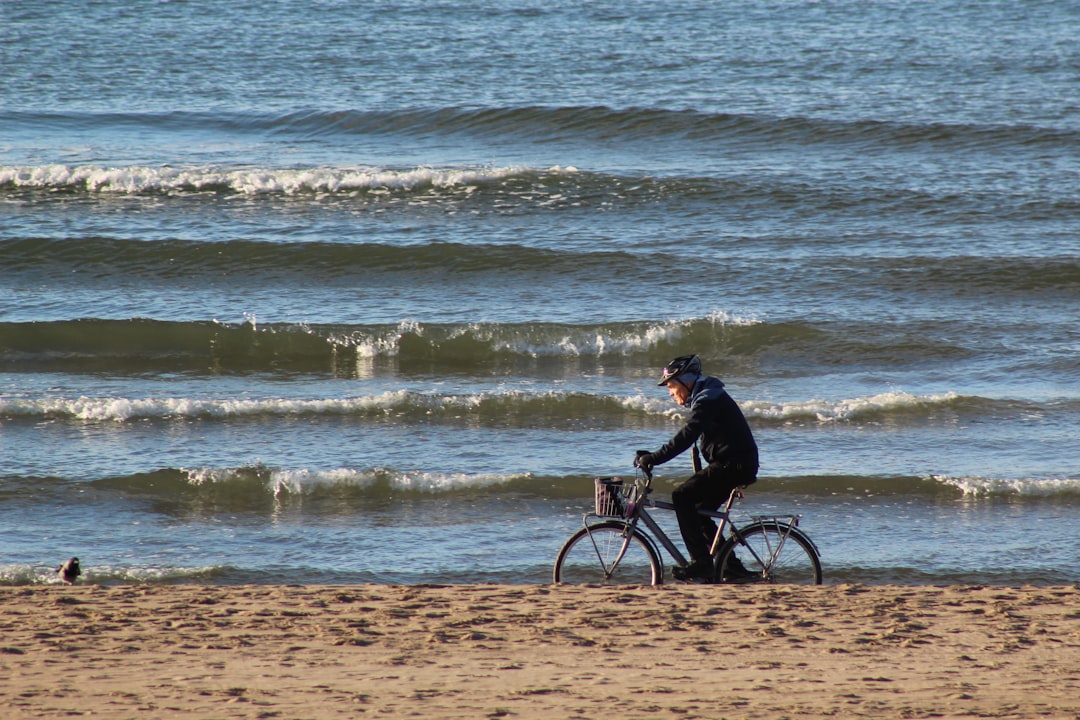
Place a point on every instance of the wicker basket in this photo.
(609, 497)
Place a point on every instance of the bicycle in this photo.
(617, 550)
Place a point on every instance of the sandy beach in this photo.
(537, 651)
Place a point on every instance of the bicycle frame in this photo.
(637, 512)
(657, 534)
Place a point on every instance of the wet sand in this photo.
(539, 651)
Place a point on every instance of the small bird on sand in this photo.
(70, 570)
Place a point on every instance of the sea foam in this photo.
(1026, 487)
(258, 181)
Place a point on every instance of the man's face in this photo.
(678, 392)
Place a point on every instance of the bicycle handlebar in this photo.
(646, 473)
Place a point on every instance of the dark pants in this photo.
(707, 490)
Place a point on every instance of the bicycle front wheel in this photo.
(769, 552)
(604, 554)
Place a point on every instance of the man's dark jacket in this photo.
(716, 419)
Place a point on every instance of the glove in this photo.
(644, 460)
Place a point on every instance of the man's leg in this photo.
(706, 489)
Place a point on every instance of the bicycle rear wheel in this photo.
(592, 557)
(770, 552)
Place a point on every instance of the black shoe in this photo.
(736, 572)
(701, 571)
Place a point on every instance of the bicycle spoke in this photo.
(770, 552)
(602, 554)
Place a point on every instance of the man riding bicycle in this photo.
(718, 425)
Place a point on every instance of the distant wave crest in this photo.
(260, 486)
(984, 487)
(504, 407)
(830, 411)
(250, 345)
(301, 482)
(256, 181)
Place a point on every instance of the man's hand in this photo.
(644, 460)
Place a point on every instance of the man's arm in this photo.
(682, 439)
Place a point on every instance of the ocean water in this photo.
(369, 292)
